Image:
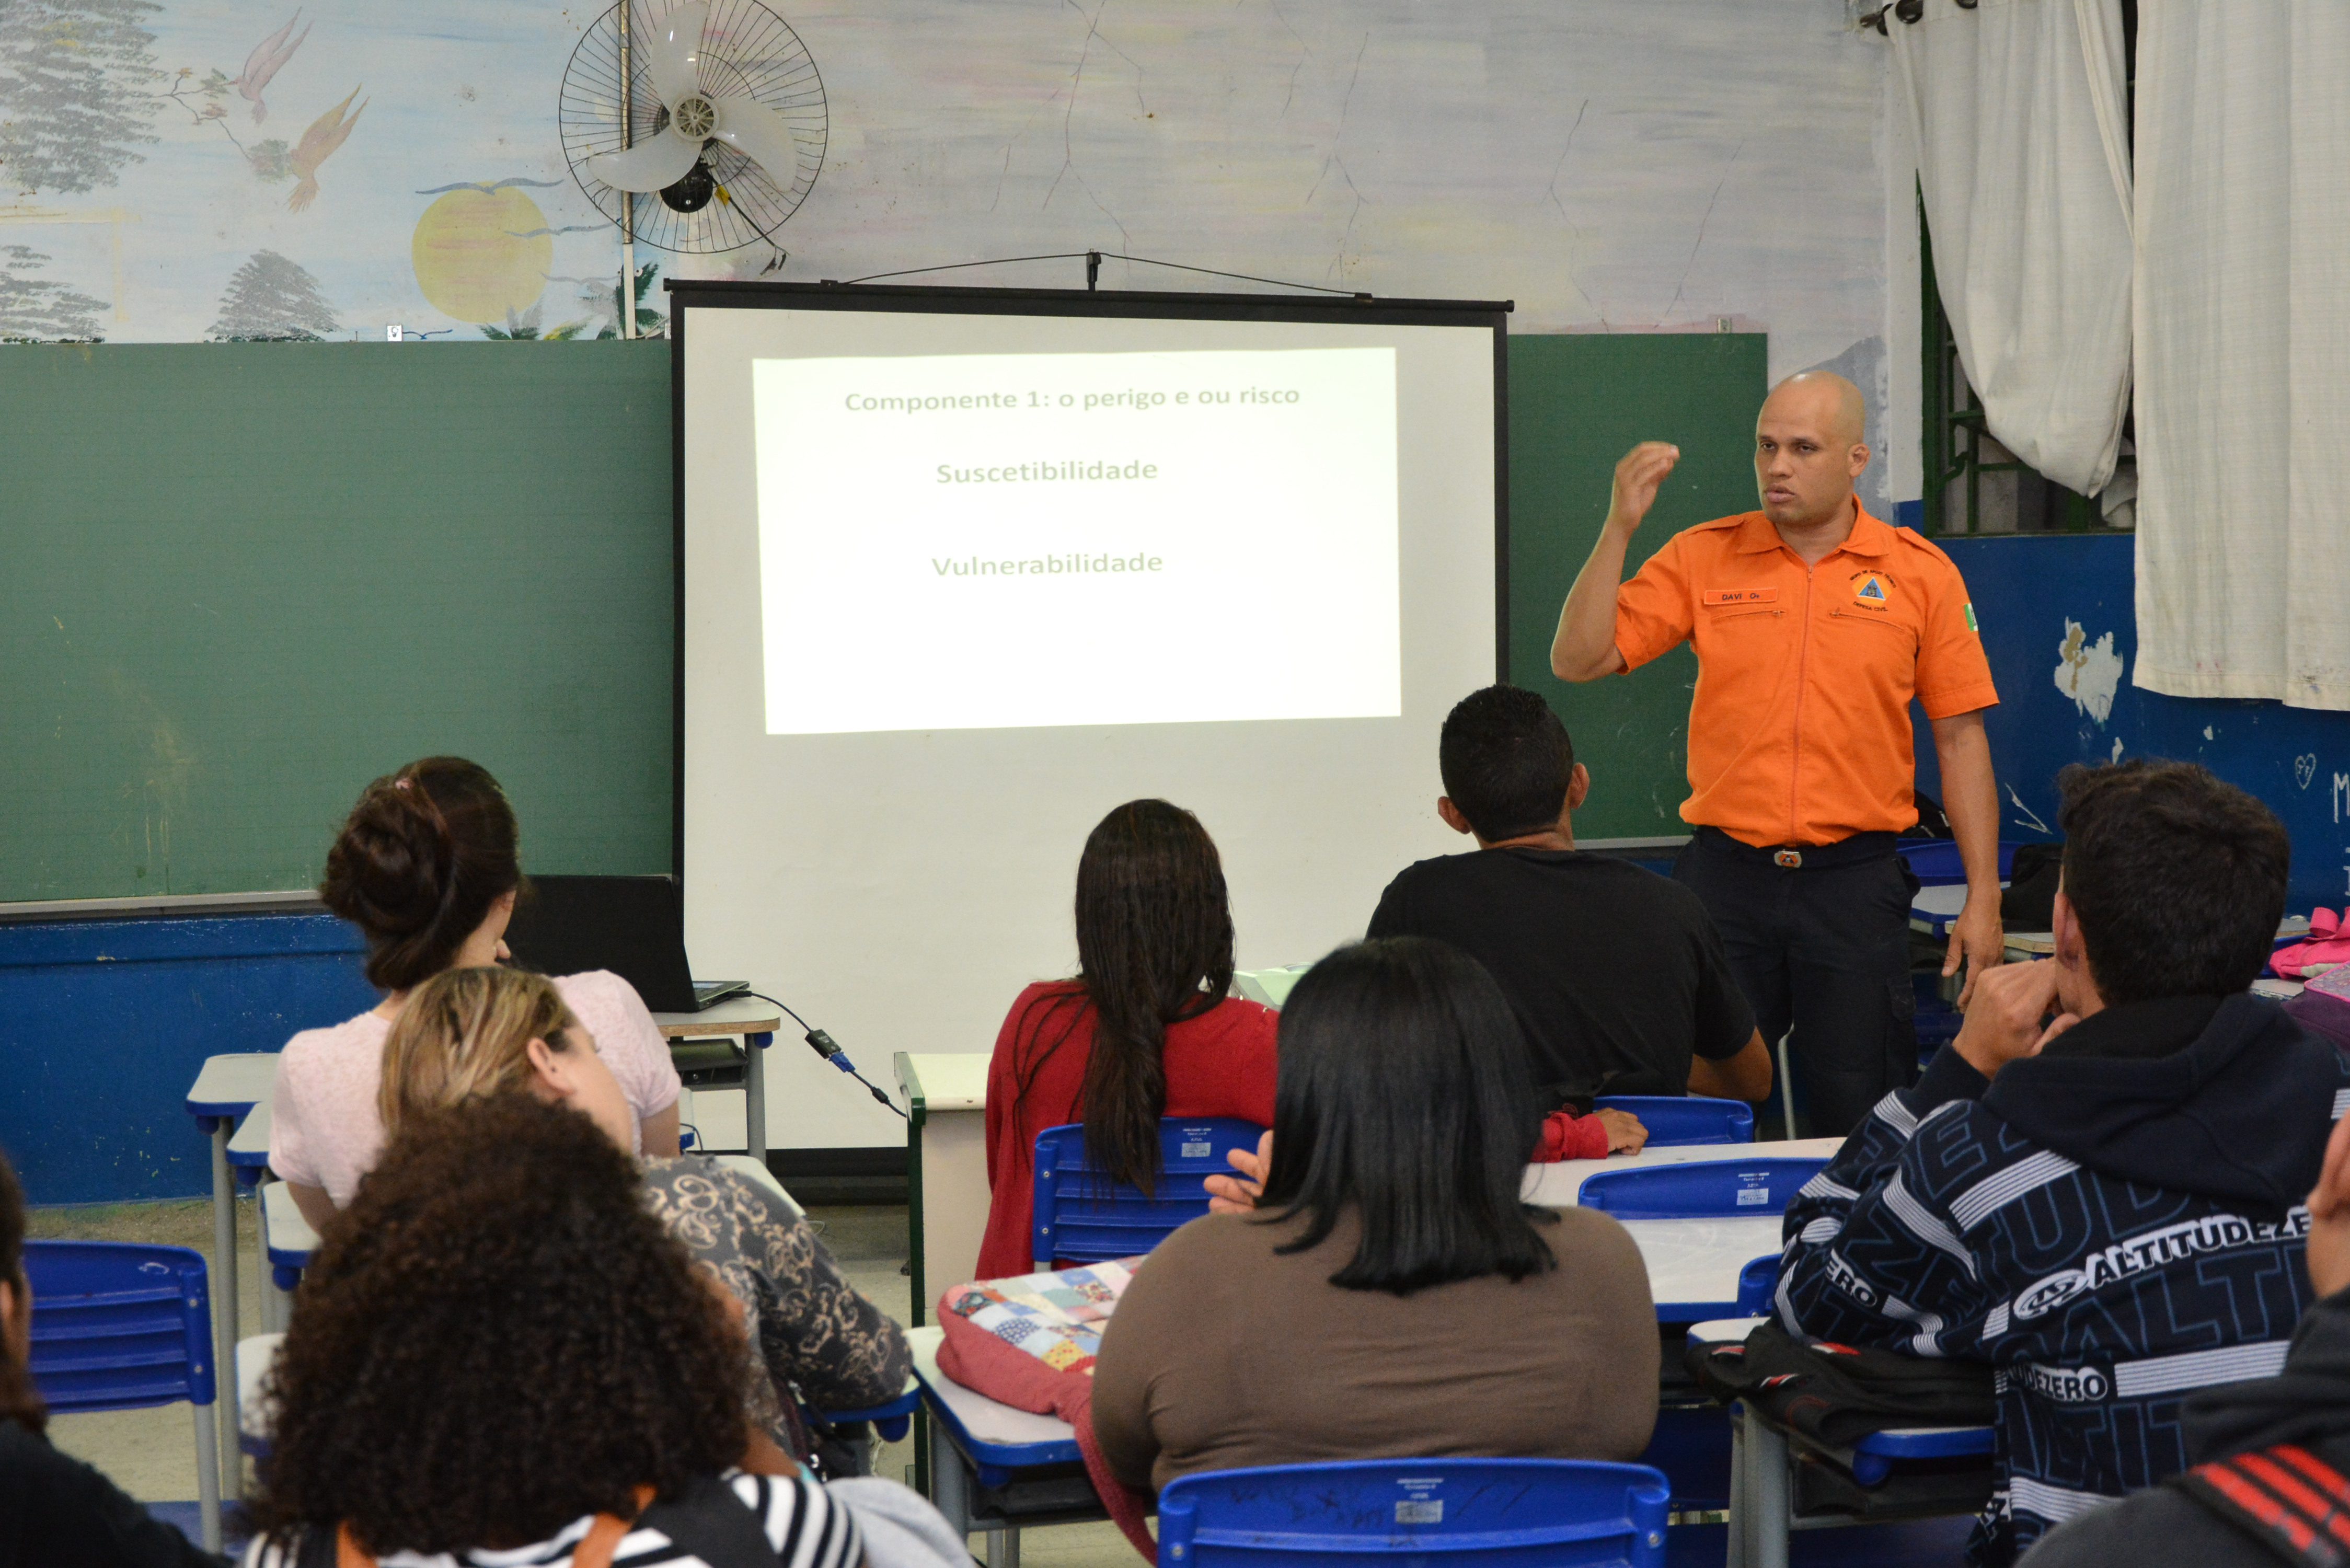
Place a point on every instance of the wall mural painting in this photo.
(190, 170)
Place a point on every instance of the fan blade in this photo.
(648, 166)
(670, 50)
(760, 134)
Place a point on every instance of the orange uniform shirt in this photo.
(1799, 733)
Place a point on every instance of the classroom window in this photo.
(1973, 484)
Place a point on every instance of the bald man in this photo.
(1814, 626)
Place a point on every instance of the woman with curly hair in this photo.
(480, 1033)
(499, 1350)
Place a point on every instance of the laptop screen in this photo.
(629, 925)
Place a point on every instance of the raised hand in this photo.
(1639, 477)
(1238, 1194)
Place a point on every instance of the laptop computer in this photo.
(632, 926)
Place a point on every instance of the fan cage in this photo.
(746, 50)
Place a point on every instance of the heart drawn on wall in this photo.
(2304, 768)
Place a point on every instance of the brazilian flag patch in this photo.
(1970, 619)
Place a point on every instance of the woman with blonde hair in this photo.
(471, 1035)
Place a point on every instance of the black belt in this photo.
(1852, 851)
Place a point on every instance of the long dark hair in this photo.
(1154, 948)
(19, 1401)
(422, 857)
(496, 1337)
(1404, 1096)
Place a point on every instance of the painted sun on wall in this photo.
(178, 170)
(297, 172)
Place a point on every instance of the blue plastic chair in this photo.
(1935, 862)
(892, 1421)
(1083, 1216)
(1479, 1514)
(1675, 1120)
(1711, 1189)
(120, 1327)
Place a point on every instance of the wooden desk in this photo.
(946, 1167)
(755, 1023)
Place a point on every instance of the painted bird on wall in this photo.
(267, 58)
(326, 133)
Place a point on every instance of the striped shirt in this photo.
(717, 1523)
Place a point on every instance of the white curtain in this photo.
(2024, 162)
(2243, 343)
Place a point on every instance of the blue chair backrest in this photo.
(1709, 1189)
(1084, 1217)
(118, 1326)
(1936, 862)
(1478, 1513)
(1673, 1120)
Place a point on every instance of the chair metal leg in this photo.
(224, 1304)
(1787, 1087)
(1769, 1495)
(208, 1466)
(754, 1098)
(277, 1304)
(950, 1485)
(1738, 1504)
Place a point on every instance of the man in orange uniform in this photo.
(1815, 625)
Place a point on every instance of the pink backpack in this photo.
(1030, 1343)
(2328, 944)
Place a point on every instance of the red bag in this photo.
(1030, 1343)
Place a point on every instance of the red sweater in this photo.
(1220, 1063)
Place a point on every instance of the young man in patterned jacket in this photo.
(2098, 1189)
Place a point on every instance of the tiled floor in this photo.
(151, 1453)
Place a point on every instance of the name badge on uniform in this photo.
(1718, 598)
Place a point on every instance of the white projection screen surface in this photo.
(960, 570)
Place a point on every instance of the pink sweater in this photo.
(324, 1130)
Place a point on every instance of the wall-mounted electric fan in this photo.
(699, 128)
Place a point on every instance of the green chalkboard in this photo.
(239, 580)
(1578, 403)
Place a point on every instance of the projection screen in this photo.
(960, 569)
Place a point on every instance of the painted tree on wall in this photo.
(271, 300)
(75, 80)
(34, 309)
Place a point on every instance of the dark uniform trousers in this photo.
(1819, 939)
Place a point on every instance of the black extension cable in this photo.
(824, 1045)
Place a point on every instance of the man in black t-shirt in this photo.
(1616, 973)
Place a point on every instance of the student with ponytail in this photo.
(427, 868)
(1144, 1030)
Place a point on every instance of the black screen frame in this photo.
(1109, 304)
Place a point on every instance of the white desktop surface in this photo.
(251, 1135)
(243, 1078)
(735, 1015)
(951, 1080)
(1700, 1260)
(282, 1223)
(986, 1419)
